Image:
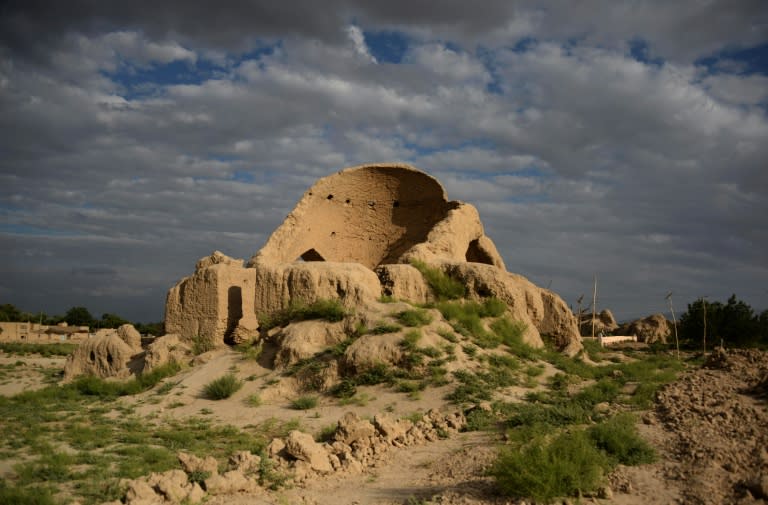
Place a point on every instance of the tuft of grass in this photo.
(382, 328)
(511, 334)
(414, 317)
(568, 465)
(410, 340)
(442, 286)
(619, 439)
(305, 402)
(253, 400)
(223, 387)
(202, 344)
(26, 495)
(330, 310)
(251, 350)
(95, 386)
(46, 350)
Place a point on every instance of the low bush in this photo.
(223, 387)
(414, 317)
(442, 286)
(619, 439)
(382, 328)
(330, 310)
(304, 402)
(566, 466)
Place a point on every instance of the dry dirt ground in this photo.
(710, 429)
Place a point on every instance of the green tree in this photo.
(79, 316)
(9, 313)
(734, 322)
(111, 321)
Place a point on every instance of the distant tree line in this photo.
(76, 316)
(734, 323)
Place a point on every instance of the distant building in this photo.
(35, 333)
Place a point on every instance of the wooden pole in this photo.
(579, 302)
(594, 306)
(704, 305)
(674, 323)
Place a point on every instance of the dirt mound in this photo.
(718, 419)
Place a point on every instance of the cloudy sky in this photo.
(626, 139)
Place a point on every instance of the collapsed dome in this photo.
(369, 214)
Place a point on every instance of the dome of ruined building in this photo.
(372, 215)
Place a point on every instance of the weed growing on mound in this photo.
(223, 387)
(442, 286)
(330, 310)
(414, 317)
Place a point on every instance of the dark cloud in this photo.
(581, 156)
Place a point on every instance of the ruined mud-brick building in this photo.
(352, 237)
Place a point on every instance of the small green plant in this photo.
(543, 470)
(223, 387)
(251, 351)
(326, 433)
(448, 335)
(202, 344)
(382, 328)
(305, 402)
(619, 439)
(414, 317)
(253, 400)
(443, 286)
(410, 340)
(330, 310)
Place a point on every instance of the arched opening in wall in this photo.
(312, 255)
(234, 311)
(476, 254)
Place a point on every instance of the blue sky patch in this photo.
(386, 46)
(748, 61)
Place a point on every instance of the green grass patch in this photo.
(305, 402)
(414, 317)
(619, 439)
(410, 340)
(202, 344)
(567, 465)
(383, 328)
(223, 387)
(442, 286)
(46, 350)
(330, 310)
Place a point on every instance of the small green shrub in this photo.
(251, 351)
(223, 387)
(253, 400)
(376, 374)
(448, 335)
(382, 328)
(511, 334)
(566, 466)
(330, 310)
(410, 340)
(618, 437)
(443, 287)
(304, 402)
(414, 317)
(346, 388)
(492, 307)
(25, 495)
(201, 344)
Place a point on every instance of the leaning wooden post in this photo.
(704, 305)
(674, 324)
(594, 306)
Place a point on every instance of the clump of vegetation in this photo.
(414, 317)
(223, 387)
(95, 386)
(466, 318)
(46, 350)
(442, 286)
(618, 438)
(410, 340)
(305, 402)
(202, 344)
(251, 351)
(330, 310)
(544, 470)
(382, 328)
